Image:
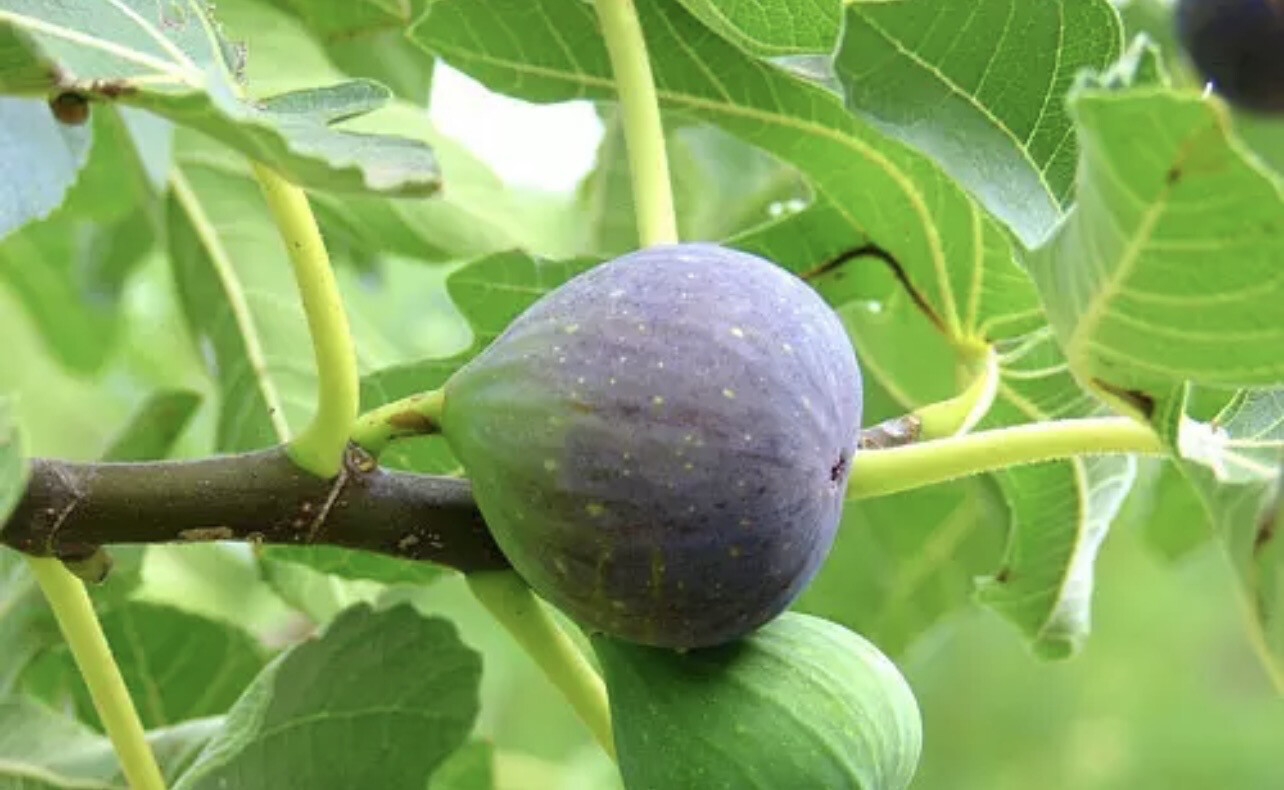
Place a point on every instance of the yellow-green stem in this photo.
(512, 603)
(881, 472)
(640, 112)
(961, 413)
(75, 614)
(320, 446)
(417, 415)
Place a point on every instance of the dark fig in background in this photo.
(1238, 46)
(661, 445)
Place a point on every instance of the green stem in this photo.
(882, 472)
(417, 415)
(961, 413)
(640, 111)
(75, 614)
(320, 446)
(513, 604)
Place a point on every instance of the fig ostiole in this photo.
(662, 444)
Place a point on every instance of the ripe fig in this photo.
(661, 445)
(1236, 45)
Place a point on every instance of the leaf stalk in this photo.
(881, 472)
(80, 627)
(640, 112)
(320, 447)
(507, 597)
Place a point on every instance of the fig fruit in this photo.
(661, 445)
(1236, 45)
(827, 710)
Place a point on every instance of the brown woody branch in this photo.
(70, 509)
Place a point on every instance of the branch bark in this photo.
(70, 509)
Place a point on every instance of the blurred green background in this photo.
(1167, 694)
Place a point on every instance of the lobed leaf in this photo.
(353, 564)
(40, 159)
(173, 60)
(1233, 467)
(177, 666)
(40, 749)
(980, 87)
(70, 268)
(888, 194)
(366, 38)
(773, 27)
(379, 700)
(1129, 282)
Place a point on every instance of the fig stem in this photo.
(84, 634)
(320, 447)
(508, 598)
(416, 415)
(640, 112)
(889, 471)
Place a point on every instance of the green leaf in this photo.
(800, 703)
(773, 27)
(380, 700)
(1161, 504)
(901, 563)
(318, 596)
(981, 87)
(177, 666)
(721, 187)
(955, 258)
(1060, 511)
(472, 767)
(1163, 189)
(26, 627)
(41, 749)
(356, 565)
(70, 268)
(1233, 465)
(155, 426)
(39, 160)
(13, 466)
(174, 61)
(475, 215)
(366, 38)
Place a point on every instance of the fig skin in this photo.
(1238, 46)
(661, 446)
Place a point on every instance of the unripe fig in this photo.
(1238, 46)
(661, 445)
(801, 703)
